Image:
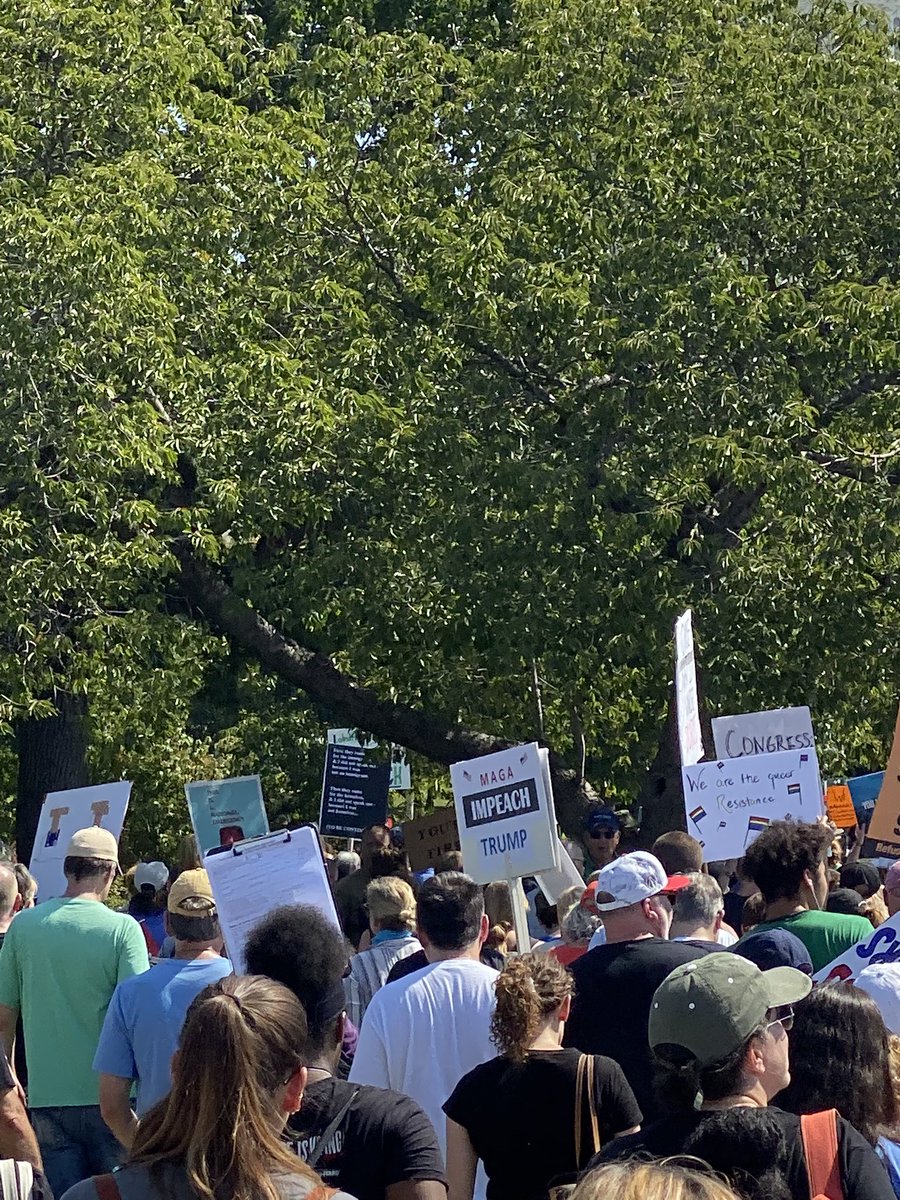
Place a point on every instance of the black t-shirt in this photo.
(384, 1138)
(614, 986)
(415, 962)
(863, 1175)
(520, 1118)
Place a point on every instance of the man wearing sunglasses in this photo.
(602, 831)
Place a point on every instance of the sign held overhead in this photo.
(763, 732)
(690, 735)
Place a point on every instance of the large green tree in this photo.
(437, 361)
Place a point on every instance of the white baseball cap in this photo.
(881, 981)
(152, 874)
(632, 878)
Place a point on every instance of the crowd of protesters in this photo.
(660, 1036)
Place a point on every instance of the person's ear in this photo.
(340, 1024)
(754, 1060)
(293, 1092)
(565, 1008)
(720, 917)
(422, 936)
(485, 929)
(167, 924)
(18, 903)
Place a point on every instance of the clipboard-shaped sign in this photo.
(253, 877)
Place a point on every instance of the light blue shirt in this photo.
(143, 1024)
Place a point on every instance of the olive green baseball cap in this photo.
(710, 1007)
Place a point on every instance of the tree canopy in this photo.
(433, 361)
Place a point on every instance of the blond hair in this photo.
(242, 1039)
(391, 903)
(670, 1179)
(26, 883)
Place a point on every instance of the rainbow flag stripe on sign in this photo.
(755, 825)
(793, 789)
(697, 814)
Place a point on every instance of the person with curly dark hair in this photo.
(535, 1114)
(719, 1033)
(787, 864)
(374, 1144)
(840, 1058)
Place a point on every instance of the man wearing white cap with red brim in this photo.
(614, 983)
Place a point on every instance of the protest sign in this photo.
(883, 834)
(428, 838)
(64, 813)
(864, 791)
(839, 806)
(882, 945)
(763, 732)
(690, 736)
(505, 814)
(401, 776)
(728, 803)
(251, 878)
(224, 811)
(354, 791)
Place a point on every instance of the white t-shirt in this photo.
(421, 1034)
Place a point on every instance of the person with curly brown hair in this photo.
(533, 1114)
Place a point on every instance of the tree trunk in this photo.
(52, 754)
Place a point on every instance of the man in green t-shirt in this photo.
(59, 966)
(787, 864)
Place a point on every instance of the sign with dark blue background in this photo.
(354, 792)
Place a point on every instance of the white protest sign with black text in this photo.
(881, 946)
(763, 732)
(64, 813)
(690, 736)
(728, 803)
(505, 814)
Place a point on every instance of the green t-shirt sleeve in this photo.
(10, 990)
(134, 958)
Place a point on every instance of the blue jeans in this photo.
(75, 1143)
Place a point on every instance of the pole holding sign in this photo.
(505, 814)
(730, 802)
(687, 705)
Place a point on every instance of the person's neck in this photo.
(325, 1064)
(194, 950)
(85, 890)
(549, 1038)
(5, 923)
(625, 934)
(434, 954)
(788, 907)
(752, 1097)
(698, 933)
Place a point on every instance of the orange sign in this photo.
(839, 806)
(883, 837)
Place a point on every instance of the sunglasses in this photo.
(609, 834)
(784, 1017)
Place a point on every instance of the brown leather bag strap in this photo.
(579, 1106)
(820, 1149)
(107, 1187)
(592, 1108)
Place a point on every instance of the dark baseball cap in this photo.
(711, 1006)
(770, 948)
(598, 820)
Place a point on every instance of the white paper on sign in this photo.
(728, 803)
(882, 945)
(64, 813)
(763, 732)
(505, 814)
(554, 882)
(252, 878)
(690, 736)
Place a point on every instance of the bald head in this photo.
(10, 902)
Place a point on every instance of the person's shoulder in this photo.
(85, 1190)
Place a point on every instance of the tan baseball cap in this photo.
(94, 843)
(191, 885)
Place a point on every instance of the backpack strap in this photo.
(107, 1187)
(820, 1149)
(319, 1148)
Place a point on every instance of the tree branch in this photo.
(359, 707)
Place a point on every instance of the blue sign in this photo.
(864, 791)
(225, 811)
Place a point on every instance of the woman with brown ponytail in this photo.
(237, 1075)
(534, 1114)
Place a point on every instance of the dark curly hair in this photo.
(298, 946)
(529, 989)
(778, 859)
(840, 1058)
